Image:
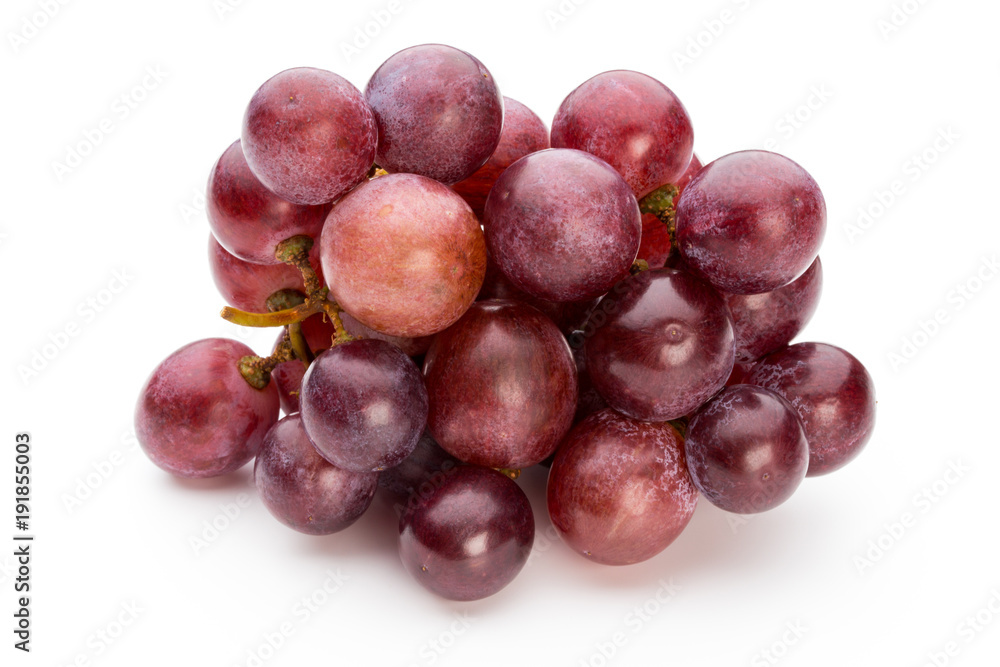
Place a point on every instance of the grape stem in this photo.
(289, 308)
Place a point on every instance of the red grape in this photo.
(246, 285)
(523, 133)
(833, 394)
(562, 225)
(302, 489)
(619, 491)
(364, 405)
(196, 415)
(746, 449)
(692, 170)
(403, 255)
(502, 386)
(750, 222)
(631, 121)
(470, 537)
(287, 376)
(439, 112)
(664, 347)
(764, 322)
(249, 220)
(412, 481)
(413, 347)
(309, 135)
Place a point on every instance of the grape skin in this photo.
(197, 417)
(619, 491)
(470, 536)
(403, 255)
(750, 222)
(249, 220)
(502, 386)
(302, 489)
(309, 135)
(439, 112)
(364, 405)
(562, 225)
(833, 394)
(247, 286)
(746, 449)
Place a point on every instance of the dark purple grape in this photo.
(309, 135)
(502, 386)
(741, 373)
(661, 346)
(249, 220)
(750, 222)
(287, 376)
(619, 490)
(523, 133)
(302, 489)
(364, 405)
(439, 112)
(196, 415)
(413, 347)
(246, 285)
(631, 121)
(417, 476)
(567, 315)
(770, 320)
(746, 449)
(470, 536)
(562, 225)
(403, 255)
(833, 394)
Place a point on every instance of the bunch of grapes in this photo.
(462, 294)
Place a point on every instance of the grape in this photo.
(741, 373)
(439, 112)
(502, 386)
(287, 376)
(523, 133)
(247, 286)
(470, 536)
(364, 405)
(403, 255)
(413, 347)
(407, 484)
(249, 220)
(619, 490)
(567, 315)
(666, 345)
(833, 394)
(750, 222)
(746, 449)
(588, 399)
(196, 415)
(655, 245)
(302, 489)
(309, 135)
(764, 322)
(692, 170)
(631, 121)
(562, 225)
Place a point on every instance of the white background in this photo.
(131, 207)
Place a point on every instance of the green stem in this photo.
(299, 344)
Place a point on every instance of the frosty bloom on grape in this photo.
(779, 648)
(121, 108)
(32, 23)
(957, 298)
(85, 314)
(301, 612)
(923, 501)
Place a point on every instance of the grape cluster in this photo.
(462, 294)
